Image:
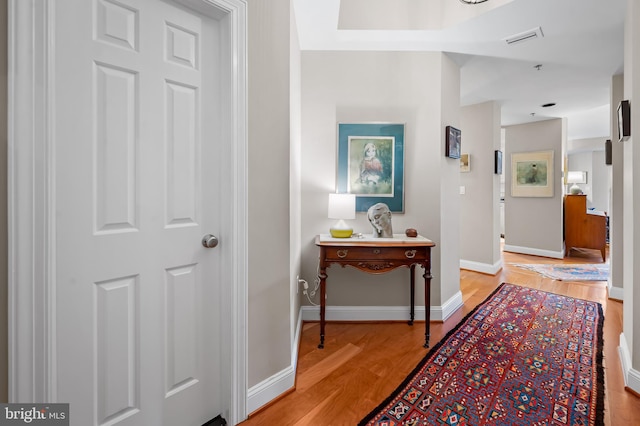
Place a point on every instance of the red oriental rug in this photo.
(521, 357)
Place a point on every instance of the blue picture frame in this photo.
(371, 164)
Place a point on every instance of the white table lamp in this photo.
(575, 178)
(341, 207)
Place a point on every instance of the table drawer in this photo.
(376, 253)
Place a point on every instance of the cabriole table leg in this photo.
(322, 276)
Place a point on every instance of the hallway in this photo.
(362, 363)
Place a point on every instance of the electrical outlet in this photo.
(305, 285)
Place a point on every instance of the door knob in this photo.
(209, 241)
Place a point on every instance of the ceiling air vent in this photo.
(525, 36)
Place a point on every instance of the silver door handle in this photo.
(209, 241)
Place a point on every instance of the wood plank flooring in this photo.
(362, 363)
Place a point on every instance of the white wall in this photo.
(589, 158)
(295, 178)
(601, 182)
(3, 206)
(447, 291)
(269, 307)
(616, 204)
(630, 338)
(480, 203)
(420, 90)
(534, 225)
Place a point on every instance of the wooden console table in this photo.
(377, 256)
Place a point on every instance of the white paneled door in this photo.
(136, 137)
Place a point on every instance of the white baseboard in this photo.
(270, 389)
(441, 313)
(274, 386)
(631, 376)
(616, 293)
(382, 313)
(534, 251)
(484, 268)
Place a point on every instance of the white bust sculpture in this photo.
(380, 217)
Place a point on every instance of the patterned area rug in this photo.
(522, 357)
(570, 272)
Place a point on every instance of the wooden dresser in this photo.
(583, 229)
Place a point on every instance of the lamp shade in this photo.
(576, 177)
(342, 206)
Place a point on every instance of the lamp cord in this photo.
(313, 292)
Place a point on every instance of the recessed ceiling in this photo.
(579, 45)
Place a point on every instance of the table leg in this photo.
(427, 304)
(322, 276)
(412, 271)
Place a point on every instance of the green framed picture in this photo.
(371, 164)
(532, 174)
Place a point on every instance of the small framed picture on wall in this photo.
(532, 174)
(498, 162)
(452, 142)
(624, 120)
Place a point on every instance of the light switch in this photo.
(462, 190)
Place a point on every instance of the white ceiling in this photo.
(581, 50)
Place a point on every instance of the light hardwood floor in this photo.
(362, 363)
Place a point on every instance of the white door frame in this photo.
(32, 199)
